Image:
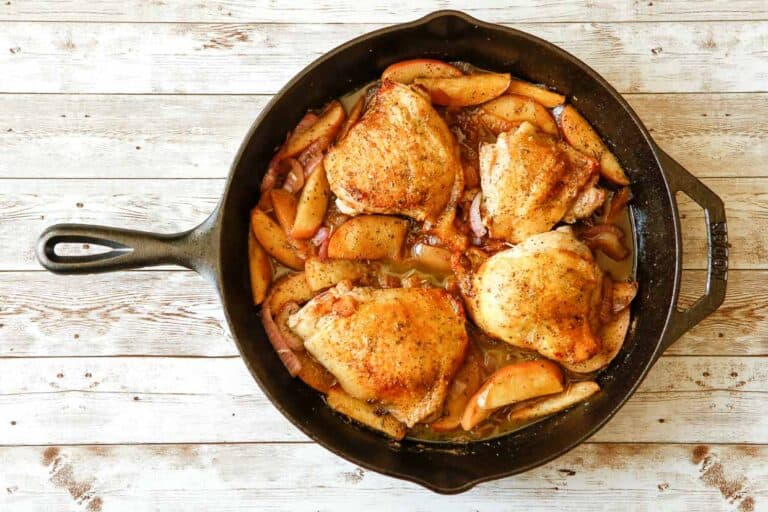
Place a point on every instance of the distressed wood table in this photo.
(125, 392)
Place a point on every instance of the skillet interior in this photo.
(454, 36)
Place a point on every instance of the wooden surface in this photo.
(125, 392)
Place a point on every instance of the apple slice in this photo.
(284, 204)
(512, 383)
(434, 258)
(368, 237)
(312, 205)
(612, 334)
(323, 130)
(515, 109)
(610, 169)
(260, 269)
(367, 414)
(465, 90)
(520, 381)
(323, 274)
(406, 71)
(289, 288)
(354, 116)
(273, 239)
(313, 373)
(538, 93)
(576, 392)
(579, 134)
(623, 294)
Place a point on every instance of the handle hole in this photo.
(693, 226)
(67, 249)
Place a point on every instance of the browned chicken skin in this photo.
(399, 347)
(544, 294)
(400, 158)
(531, 181)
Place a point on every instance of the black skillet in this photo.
(217, 248)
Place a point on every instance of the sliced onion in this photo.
(322, 252)
(320, 236)
(312, 163)
(294, 181)
(475, 219)
(313, 151)
(607, 238)
(279, 343)
(292, 340)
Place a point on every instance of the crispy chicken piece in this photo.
(544, 294)
(398, 347)
(400, 158)
(530, 180)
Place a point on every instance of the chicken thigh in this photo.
(400, 158)
(544, 294)
(398, 347)
(531, 181)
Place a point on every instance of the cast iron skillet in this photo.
(217, 247)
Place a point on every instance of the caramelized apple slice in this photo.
(520, 381)
(407, 71)
(434, 258)
(289, 288)
(313, 373)
(465, 90)
(323, 274)
(260, 269)
(368, 237)
(610, 169)
(515, 109)
(623, 294)
(576, 392)
(513, 383)
(312, 204)
(367, 414)
(579, 134)
(612, 334)
(284, 204)
(354, 116)
(273, 240)
(538, 93)
(323, 131)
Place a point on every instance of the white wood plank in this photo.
(178, 314)
(394, 11)
(260, 58)
(95, 400)
(305, 477)
(197, 136)
(29, 206)
(117, 136)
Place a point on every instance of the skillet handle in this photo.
(195, 249)
(717, 254)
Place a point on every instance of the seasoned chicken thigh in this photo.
(544, 294)
(398, 347)
(531, 181)
(400, 158)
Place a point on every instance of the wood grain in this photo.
(228, 477)
(684, 399)
(178, 313)
(73, 57)
(395, 11)
(28, 206)
(197, 136)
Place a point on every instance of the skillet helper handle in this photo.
(717, 249)
(194, 249)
